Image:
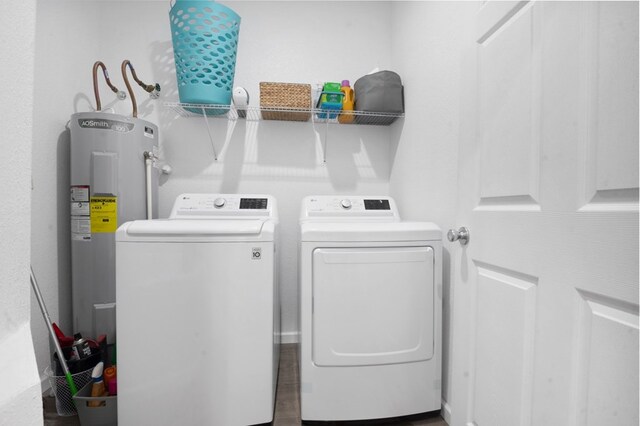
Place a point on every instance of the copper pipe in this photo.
(96, 92)
(147, 87)
(126, 82)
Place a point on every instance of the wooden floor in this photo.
(287, 402)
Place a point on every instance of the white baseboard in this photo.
(446, 412)
(290, 337)
(45, 385)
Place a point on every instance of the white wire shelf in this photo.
(255, 113)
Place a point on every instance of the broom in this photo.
(45, 314)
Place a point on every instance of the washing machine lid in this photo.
(176, 230)
(370, 231)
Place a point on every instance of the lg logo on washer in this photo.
(256, 253)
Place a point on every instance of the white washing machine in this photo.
(370, 310)
(198, 314)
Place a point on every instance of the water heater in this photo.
(112, 182)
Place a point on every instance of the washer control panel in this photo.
(377, 205)
(194, 206)
(253, 203)
(349, 207)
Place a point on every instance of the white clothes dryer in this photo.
(370, 310)
(198, 313)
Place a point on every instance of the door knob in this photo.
(461, 235)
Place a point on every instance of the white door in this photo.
(545, 294)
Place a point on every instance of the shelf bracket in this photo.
(326, 136)
(213, 147)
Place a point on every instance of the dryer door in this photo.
(372, 306)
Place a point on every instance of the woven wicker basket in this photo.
(285, 95)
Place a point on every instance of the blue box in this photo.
(330, 106)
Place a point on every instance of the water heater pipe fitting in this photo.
(152, 89)
(96, 92)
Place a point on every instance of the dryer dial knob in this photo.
(346, 204)
(219, 202)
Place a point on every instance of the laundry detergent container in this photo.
(205, 43)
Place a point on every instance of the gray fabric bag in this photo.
(379, 92)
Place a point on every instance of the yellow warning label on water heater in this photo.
(104, 214)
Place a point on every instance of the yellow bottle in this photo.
(346, 116)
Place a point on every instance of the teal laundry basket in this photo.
(205, 44)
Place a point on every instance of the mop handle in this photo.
(45, 314)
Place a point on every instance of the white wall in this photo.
(20, 402)
(279, 41)
(427, 51)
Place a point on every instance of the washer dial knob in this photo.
(219, 202)
(346, 204)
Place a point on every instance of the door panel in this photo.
(372, 305)
(607, 337)
(505, 318)
(545, 323)
(610, 150)
(509, 137)
(615, 83)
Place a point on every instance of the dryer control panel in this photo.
(349, 206)
(199, 206)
